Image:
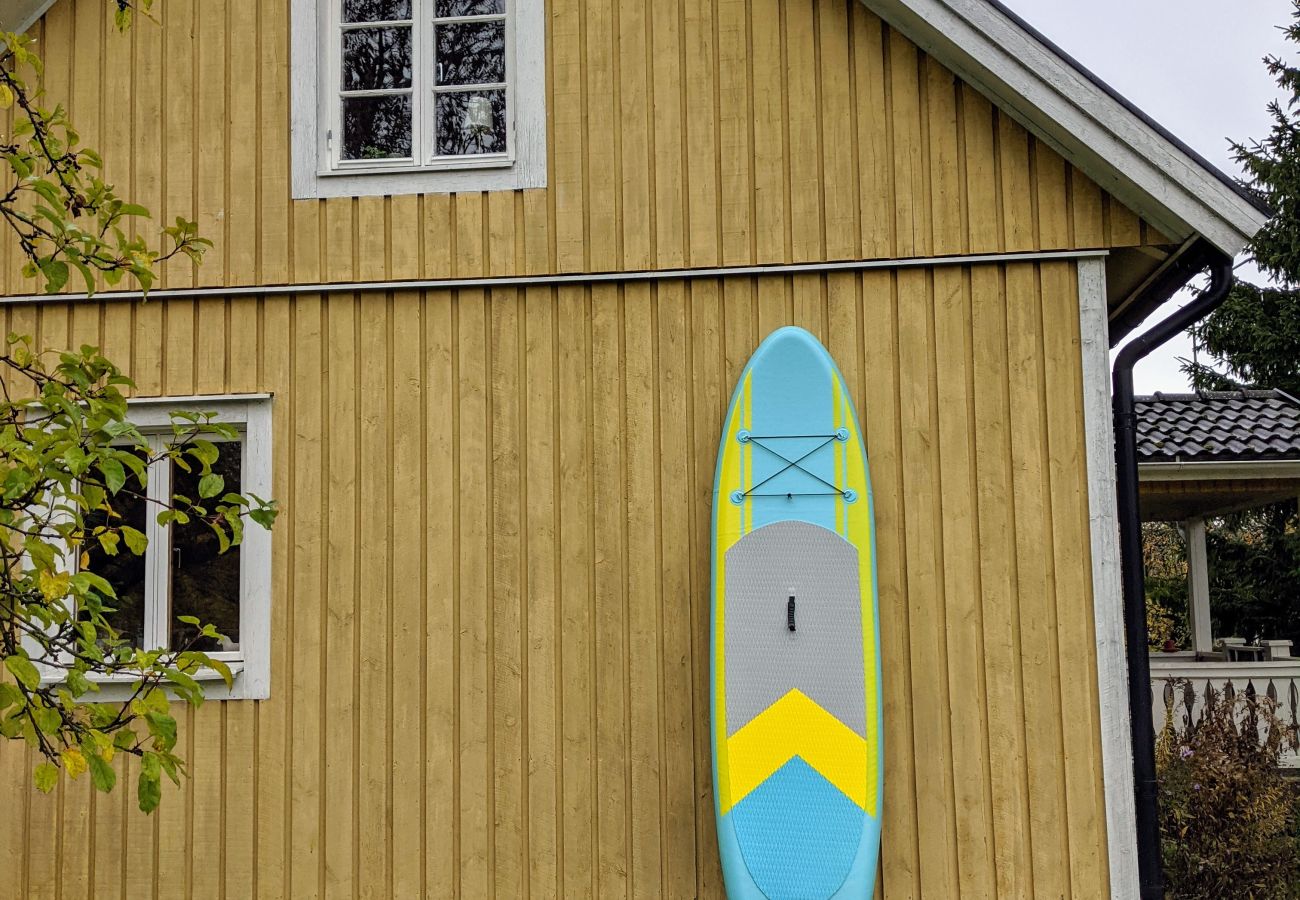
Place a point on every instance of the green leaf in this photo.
(109, 541)
(47, 719)
(136, 542)
(46, 776)
(114, 474)
(56, 274)
(210, 485)
(163, 729)
(149, 788)
(9, 695)
(101, 773)
(21, 668)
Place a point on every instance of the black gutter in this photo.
(1134, 581)
(1196, 259)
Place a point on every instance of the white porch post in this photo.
(1198, 586)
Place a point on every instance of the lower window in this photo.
(182, 571)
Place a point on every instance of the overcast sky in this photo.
(1193, 65)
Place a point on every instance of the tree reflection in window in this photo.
(377, 127)
(376, 58)
(455, 80)
(471, 53)
(451, 9)
(471, 123)
(376, 10)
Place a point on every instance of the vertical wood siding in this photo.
(681, 133)
(492, 587)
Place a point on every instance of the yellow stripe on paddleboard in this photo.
(730, 519)
(859, 534)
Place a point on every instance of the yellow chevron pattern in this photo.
(796, 726)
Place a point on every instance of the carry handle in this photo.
(789, 614)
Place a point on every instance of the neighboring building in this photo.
(1204, 455)
(494, 413)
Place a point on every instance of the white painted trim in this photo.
(1198, 586)
(1062, 106)
(1228, 470)
(1107, 593)
(19, 15)
(312, 175)
(512, 281)
(1163, 667)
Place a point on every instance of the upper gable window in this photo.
(413, 96)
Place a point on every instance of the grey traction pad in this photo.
(823, 657)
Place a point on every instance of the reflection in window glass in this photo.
(453, 8)
(376, 10)
(471, 123)
(471, 53)
(377, 127)
(204, 581)
(376, 58)
(124, 571)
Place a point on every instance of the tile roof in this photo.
(1236, 426)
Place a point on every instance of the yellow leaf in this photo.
(54, 586)
(74, 762)
(6, 96)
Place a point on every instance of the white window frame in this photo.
(318, 170)
(250, 416)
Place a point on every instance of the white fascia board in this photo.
(1062, 106)
(19, 15)
(1228, 470)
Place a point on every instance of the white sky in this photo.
(1194, 66)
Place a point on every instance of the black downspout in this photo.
(1130, 539)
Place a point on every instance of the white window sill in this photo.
(496, 176)
(121, 686)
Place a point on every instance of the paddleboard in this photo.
(795, 637)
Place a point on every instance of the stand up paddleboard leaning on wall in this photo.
(797, 756)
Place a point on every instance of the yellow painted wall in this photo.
(490, 665)
(491, 576)
(701, 133)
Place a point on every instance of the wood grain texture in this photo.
(679, 134)
(490, 672)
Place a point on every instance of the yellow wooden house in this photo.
(485, 274)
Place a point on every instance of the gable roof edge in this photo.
(19, 15)
(1104, 136)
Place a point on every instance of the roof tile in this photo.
(1225, 426)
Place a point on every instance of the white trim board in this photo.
(1107, 591)
(518, 281)
(1050, 96)
(19, 15)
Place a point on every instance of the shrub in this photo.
(1228, 815)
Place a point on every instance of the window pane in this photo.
(376, 59)
(376, 10)
(125, 571)
(471, 53)
(451, 8)
(471, 123)
(205, 582)
(377, 127)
